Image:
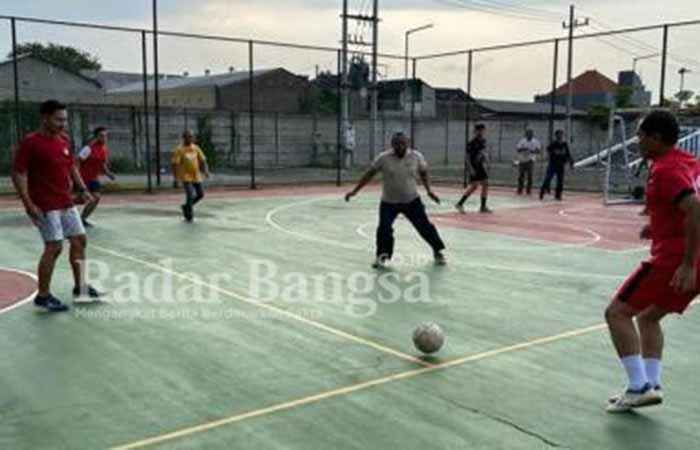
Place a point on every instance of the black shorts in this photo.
(94, 186)
(478, 173)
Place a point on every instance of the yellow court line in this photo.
(269, 307)
(352, 388)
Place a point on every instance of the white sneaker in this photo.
(460, 208)
(657, 388)
(631, 399)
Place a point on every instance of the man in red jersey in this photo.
(667, 282)
(43, 173)
(94, 161)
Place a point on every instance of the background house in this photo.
(276, 90)
(592, 88)
(40, 80)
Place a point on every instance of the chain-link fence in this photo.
(269, 112)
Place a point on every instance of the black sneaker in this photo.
(87, 224)
(50, 303)
(187, 212)
(86, 291)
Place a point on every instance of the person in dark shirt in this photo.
(559, 157)
(476, 153)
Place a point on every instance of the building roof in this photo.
(50, 63)
(194, 82)
(590, 82)
(398, 84)
(501, 106)
(114, 79)
(525, 108)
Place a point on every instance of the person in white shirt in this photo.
(399, 167)
(528, 148)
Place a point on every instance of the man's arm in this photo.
(425, 179)
(203, 162)
(107, 170)
(19, 179)
(78, 181)
(569, 157)
(366, 178)
(684, 279)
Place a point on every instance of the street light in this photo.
(682, 73)
(408, 33)
(640, 58)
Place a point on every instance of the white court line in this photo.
(25, 300)
(269, 307)
(159, 439)
(270, 220)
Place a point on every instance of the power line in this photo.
(644, 46)
(493, 9)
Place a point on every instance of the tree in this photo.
(205, 140)
(684, 96)
(623, 97)
(63, 56)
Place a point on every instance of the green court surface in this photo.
(190, 352)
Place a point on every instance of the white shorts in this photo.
(61, 224)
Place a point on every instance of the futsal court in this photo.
(319, 355)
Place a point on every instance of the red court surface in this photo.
(580, 221)
(14, 287)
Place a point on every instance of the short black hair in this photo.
(50, 106)
(661, 123)
(99, 130)
(480, 126)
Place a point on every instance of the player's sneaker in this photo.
(440, 259)
(87, 224)
(460, 208)
(50, 303)
(86, 291)
(380, 262)
(632, 399)
(485, 210)
(657, 388)
(187, 212)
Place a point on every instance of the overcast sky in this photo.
(506, 74)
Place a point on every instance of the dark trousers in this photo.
(193, 194)
(552, 171)
(525, 171)
(415, 213)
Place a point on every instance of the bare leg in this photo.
(77, 258)
(90, 207)
(46, 266)
(650, 332)
(623, 332)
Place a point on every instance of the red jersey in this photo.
(673, 175)
(47, 161)
(92, 161)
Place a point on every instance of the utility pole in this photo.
(374, 107)
(682, 72)
(373, 91)
(344, 94)
(571, 26)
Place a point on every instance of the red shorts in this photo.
(650, 284)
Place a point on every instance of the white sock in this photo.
(636, 373)
(653, 369)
